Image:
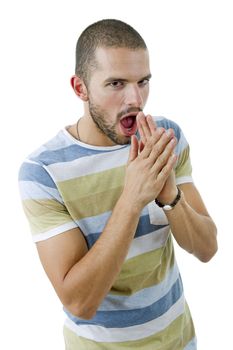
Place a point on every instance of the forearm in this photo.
(194, 232)
(89, 280)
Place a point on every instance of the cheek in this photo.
(145, 95)
(113, 103)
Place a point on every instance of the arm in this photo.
(191, 225)
(82, 278)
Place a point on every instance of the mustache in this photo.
(129, 110)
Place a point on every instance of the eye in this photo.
(115, 84)
(143, 82)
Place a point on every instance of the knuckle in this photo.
(158, 147)
(148, 145)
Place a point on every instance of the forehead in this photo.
(122, 63)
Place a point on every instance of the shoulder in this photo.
(33, 167)
(54, 150)
(167, 124)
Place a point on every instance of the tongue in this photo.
(128, 122)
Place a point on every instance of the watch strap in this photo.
(171, 205)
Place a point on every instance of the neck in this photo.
(86, 131)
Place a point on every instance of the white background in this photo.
(190, 45)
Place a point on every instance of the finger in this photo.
(164, 157)
(140, 128)
(133, 153)
(151, 123)
(141, 146)
(161, 143)
(144, 127)
(154, 144)
(167, 169)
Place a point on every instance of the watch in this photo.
(170, 206)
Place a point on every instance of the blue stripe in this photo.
(122, 318)
(35, 173)
(75, 151)
(67, 154)
(94, 224)
(144, 227)
(143, 297)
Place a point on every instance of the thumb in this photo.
(133, 153)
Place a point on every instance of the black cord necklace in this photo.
(78, 137)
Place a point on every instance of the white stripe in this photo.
(55, 231)
(184, 179)
(57, 142)
(86, 145)
(102, 334)
(30, 161)
(192, 345)
(158, 118)
(149, 242)
(84, 166)
(142, 298)
(157, 216)
(33, 190)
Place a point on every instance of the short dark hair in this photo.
(105, 33)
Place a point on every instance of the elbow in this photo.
(209, 253)
(79, 305)
(83, 311)
(205, 258)
(85, 314)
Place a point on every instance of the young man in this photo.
(104, 199)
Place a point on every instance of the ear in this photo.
(79, 87)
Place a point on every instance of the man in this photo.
(104, 198)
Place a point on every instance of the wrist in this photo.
(129, 203)
(168, 196)
(170, 203)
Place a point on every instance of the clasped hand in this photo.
(149, 171)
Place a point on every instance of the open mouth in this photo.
(128, 124)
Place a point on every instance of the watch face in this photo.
(167, 207)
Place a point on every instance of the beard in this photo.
(100, 118)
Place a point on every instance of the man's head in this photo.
(108, 33)
(112, 78)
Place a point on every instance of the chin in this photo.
(123, 140)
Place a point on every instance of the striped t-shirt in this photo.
(67, 184)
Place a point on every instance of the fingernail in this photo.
(160, 131)
(139, 115)
(173, 156)
(173, 140)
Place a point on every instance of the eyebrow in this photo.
(147, 77)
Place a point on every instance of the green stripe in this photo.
(93, 194)
(144, 270)
(82, 186)
(95, 204)
(44, 215)
(184, 167)
(176, 336)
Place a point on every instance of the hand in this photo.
(150, 163)
(147, 129)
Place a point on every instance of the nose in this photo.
(133, 97)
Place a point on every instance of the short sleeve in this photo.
(183, 168)
(43, 206)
